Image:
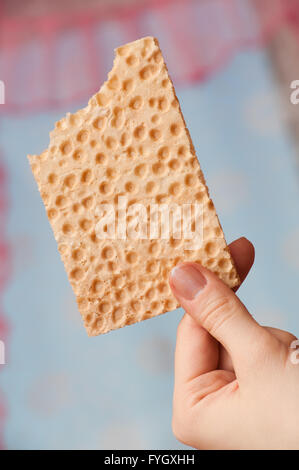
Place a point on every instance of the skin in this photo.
(235, 384)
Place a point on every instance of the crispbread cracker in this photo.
(130, 140)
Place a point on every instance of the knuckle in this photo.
(265, 346)
(285, 336)
(216, 312)
(289, 337)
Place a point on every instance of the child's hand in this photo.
(235, 385)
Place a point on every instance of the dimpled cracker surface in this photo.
(130, 140)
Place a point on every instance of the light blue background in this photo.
(65, 390)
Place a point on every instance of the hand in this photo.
(235, 385)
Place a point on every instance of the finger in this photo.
(225, 361)
(217, 309)
(196, 351)
(242, 251)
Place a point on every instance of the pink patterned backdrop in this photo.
(58, 53)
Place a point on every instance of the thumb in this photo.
(214, 306)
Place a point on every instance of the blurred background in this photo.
(232, 62)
